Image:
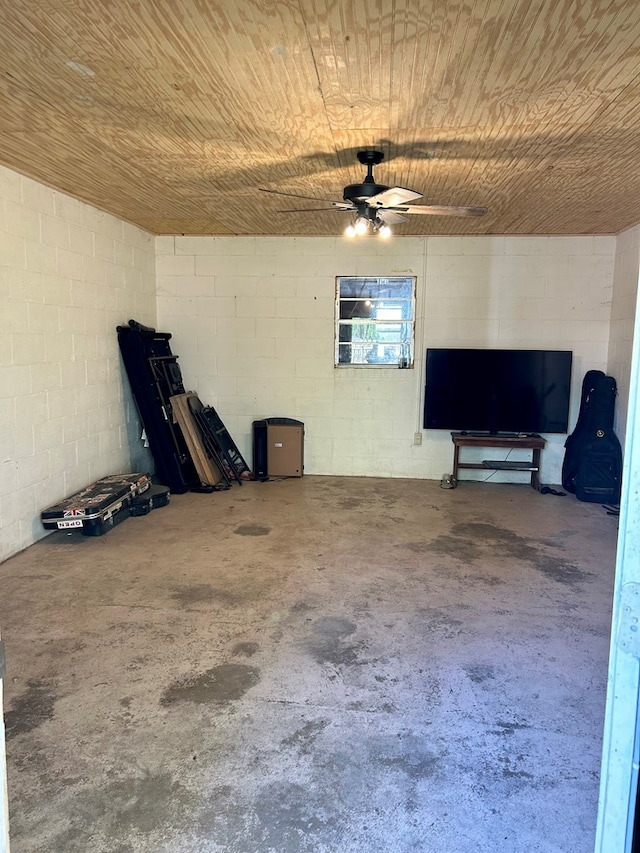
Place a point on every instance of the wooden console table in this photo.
(534, 443)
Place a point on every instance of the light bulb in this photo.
(349, 231)
(384, 231)
(361, 226)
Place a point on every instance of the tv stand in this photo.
(514, 441)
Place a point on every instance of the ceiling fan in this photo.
(375, 206)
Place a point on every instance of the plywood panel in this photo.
(172, 114)
(206, 468)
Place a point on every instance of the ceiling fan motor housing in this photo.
(369, 157)
(361, 192)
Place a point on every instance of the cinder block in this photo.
(175, 265)
(10, 185)
(21, 221)
(12, 251)
(37, 196)
(28, 348)
(54, 231)
(165, 245)
(70, 264)
(103, 246)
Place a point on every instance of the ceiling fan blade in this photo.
(390, 217)
(338, 204)
(393, 197)
(442, 210)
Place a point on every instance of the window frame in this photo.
(371, 281)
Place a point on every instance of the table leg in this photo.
(454, 473)
(535, 475)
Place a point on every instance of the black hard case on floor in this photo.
(155, 376)
(153, 498)
(98, 507)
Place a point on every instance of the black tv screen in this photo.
(497, 390)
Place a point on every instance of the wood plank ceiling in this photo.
(171, 113)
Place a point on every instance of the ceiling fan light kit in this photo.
(375, 206)
(366, 223)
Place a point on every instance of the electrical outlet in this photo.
(417, 438)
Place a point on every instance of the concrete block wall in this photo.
(623, 311)
(253, 325)
(68, 275)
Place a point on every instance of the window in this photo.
(375, 321)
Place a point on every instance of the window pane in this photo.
(367, 353)
(376, 288)
(351, 308)
(385, 354)
(344, 354)
(375, 320)
(376, 332)
(376, 309)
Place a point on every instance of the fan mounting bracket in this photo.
(370, 157)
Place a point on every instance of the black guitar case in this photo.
(573, 444)
(592, 466)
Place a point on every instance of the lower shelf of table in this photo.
(508, 465)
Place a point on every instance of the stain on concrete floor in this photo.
(470, 541)
(31, 709)
(327, 642)
(252, 530)
(479, 673)
(235, 592)
(304, 737)
(140, 804)
(196, 593)
(245, 649)
(219, 685)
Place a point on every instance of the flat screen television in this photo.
(497, 390)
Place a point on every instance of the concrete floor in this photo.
(325, 664)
